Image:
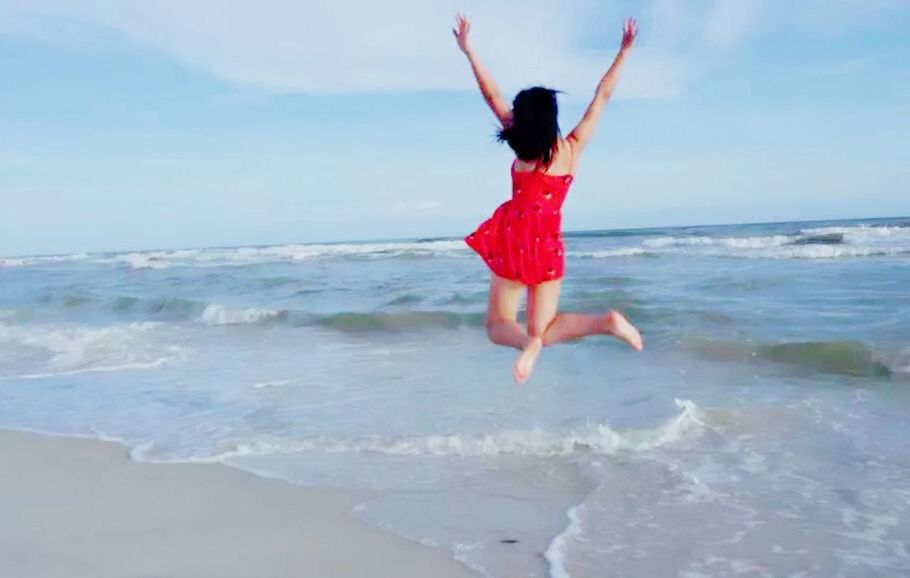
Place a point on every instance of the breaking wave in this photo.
(38, 351)
(850, 358)
(218, 314)
(593, 439)
(214, 314)
(247, 255)
(817, 243)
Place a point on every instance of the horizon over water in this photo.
(761, 433)
(361, 241)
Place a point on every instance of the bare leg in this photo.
(571, 326)
(502, 313)
(543, 300)
(503, 327)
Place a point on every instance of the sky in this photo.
(165, 123)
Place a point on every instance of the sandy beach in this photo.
(79, 508)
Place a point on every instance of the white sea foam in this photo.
(303, 252)
(595, 439)
(461, 552)
(215, 314)
(861, 232)
(42, 260)
(672, 431)
(781, 252)
(858, 241)
(12, 262)
(606, 253)
(247, 255)
(54, 350)
(729, 242)
(178, 354)
(142, 261)
(276, 383)
(900, 363)
(555, 553)
(90, 434)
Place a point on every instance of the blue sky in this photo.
(171, 124)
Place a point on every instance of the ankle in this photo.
(609, 322)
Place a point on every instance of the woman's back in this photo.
(562, 163)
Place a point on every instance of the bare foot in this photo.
(619, 326)
(524, 365)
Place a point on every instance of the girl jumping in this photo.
(521, 242)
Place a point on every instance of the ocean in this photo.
(762, 432)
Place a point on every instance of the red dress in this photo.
(522, 241)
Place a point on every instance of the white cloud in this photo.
(351, 45)
(402, 45)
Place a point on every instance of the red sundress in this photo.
(522, 241)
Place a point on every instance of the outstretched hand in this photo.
(461, 32)
(629, 32)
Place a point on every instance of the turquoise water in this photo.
(762, 432)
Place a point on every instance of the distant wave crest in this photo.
(247, 255)
(811, 243)
(817, 243)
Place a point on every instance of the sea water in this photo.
(763, 432)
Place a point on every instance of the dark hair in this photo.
(535, 127)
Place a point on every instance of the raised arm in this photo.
(485, 81)
(581, 134)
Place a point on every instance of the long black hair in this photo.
(534, 130)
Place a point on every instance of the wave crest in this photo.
(818, 243)
(248, 255)
(214, 314)
(850, 358)
(38, 351)
(218, 314)
(594, 439)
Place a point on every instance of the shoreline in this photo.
(78, 507)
